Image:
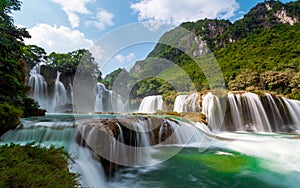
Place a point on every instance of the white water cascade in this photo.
(214, 111)
(151, 104)
(192, 102)
(60, 133)
(103, 98)
(180, 105)
(38, 87)
(60, 93)
(250, 112)
(107, 101)
(187, 103)
(48, 100)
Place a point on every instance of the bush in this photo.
(9, 117)
(31, 108)
(28, 166)
(246, 79)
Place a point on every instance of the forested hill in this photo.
(265, 44)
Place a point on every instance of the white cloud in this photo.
(98, 53)
(175, 12)
(58, 39)
(102, 20)
(125, 59)
(73, 8)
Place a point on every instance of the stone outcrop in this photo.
(108, 138)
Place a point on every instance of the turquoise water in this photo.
(212, 168)
(241, 160)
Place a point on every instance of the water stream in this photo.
(232, 159)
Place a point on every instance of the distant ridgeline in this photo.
(261, 51)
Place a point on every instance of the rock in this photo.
(108, 137)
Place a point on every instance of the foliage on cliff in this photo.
(28, 166)
(76, 61)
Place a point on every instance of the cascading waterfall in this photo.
(103, 98)
(39, 91)
(60, 93)
(192, 102)
(151, 104)
(250, 112)
(61, 133)
(187, 103)
(107, 101)
(293, 107)
(181, 133)
(71, 90)
(214, 111)
(180, 105)
(38, 87)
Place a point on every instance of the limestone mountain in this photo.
(265, 39)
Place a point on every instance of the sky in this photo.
(117, 32)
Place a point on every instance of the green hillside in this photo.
(258, 52)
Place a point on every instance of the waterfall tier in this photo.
(104, 144)
(151, 104)
(49, 98)
(60, 93)
(103, 98)
(38, 87)
(251, 112)
(180, 105)
(187, 103)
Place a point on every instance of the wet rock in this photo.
(117, 141)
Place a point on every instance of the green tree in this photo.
(76, 61)
(33, 55)
(12, 66)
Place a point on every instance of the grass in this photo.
(30, 166)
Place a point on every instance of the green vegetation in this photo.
(13, 89)
(9, 117)
(258, 52)
(76, 61)
(109, 79)
(29, 166)
(17, 59)
(26, 166)
(268, 60)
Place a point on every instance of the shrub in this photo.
(28, 166)
(9, 117)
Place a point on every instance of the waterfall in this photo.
(151, 104)
(192, 102)
(38, 87)
(60, 132)
(250, 112)
(187, 103)
(179, 133)
(39, 91)
(235, 106)
(60, 93)
(214, 111)
(103, 98)
(180, 105)
(107, 101)
(293, 107)
(71, 90)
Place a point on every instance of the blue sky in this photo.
(67, 25)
